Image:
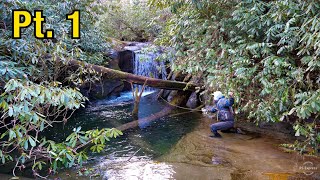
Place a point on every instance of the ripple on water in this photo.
(138, 167)
(154, 140)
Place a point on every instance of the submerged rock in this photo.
(193, 101)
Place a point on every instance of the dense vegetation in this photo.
(266, 51)
(38, 90)
(135, 21)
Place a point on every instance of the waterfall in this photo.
(146, 64)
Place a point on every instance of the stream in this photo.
(143, 146)
(176, 147)
(179, 147)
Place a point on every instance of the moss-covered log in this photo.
(132, 78)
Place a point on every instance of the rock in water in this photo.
(193, 101)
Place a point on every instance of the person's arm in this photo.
(213, 110)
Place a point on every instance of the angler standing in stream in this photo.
(225, 113)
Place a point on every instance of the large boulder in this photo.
(193, 101)
(126, 64)
(104, 88)
(171, 95)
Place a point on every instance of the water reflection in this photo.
(141, 167)
(133, 155)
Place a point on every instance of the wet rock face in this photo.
(193, 101)
(166, 93)
(126, 59)
(171, 95)
(282, 127)
(104, 88)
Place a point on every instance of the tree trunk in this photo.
(162, 90)
(132, 78)
(179, 99)
(137, 98)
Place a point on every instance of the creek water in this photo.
(177, 147)
(135, 153)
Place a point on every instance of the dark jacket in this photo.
(223, 107)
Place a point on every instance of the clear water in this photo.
(142, 145)
(159, 136)
(175, 147)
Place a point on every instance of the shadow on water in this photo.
(159, 136)
(140, 145)
(148, 143)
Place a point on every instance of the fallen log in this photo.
(113, 74)
(179, 99)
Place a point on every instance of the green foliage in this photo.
(32, 98)
(31, 49)
(23, 100)
(9, 70)
(32, 108)
(132, 21)
(266, 51)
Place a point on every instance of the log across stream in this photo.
(113, 74)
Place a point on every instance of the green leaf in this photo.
(55, 165)
(25, 146)
(42, 126)
(40, 166)
(80, 159)
(35, 118)
(292, 111)
(32, 142)
(10, 111)
(3, 135)
(69, 157)
(12, 134)
(3, 160)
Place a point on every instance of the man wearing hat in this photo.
(225, 113)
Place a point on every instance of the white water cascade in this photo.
(146, 64)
